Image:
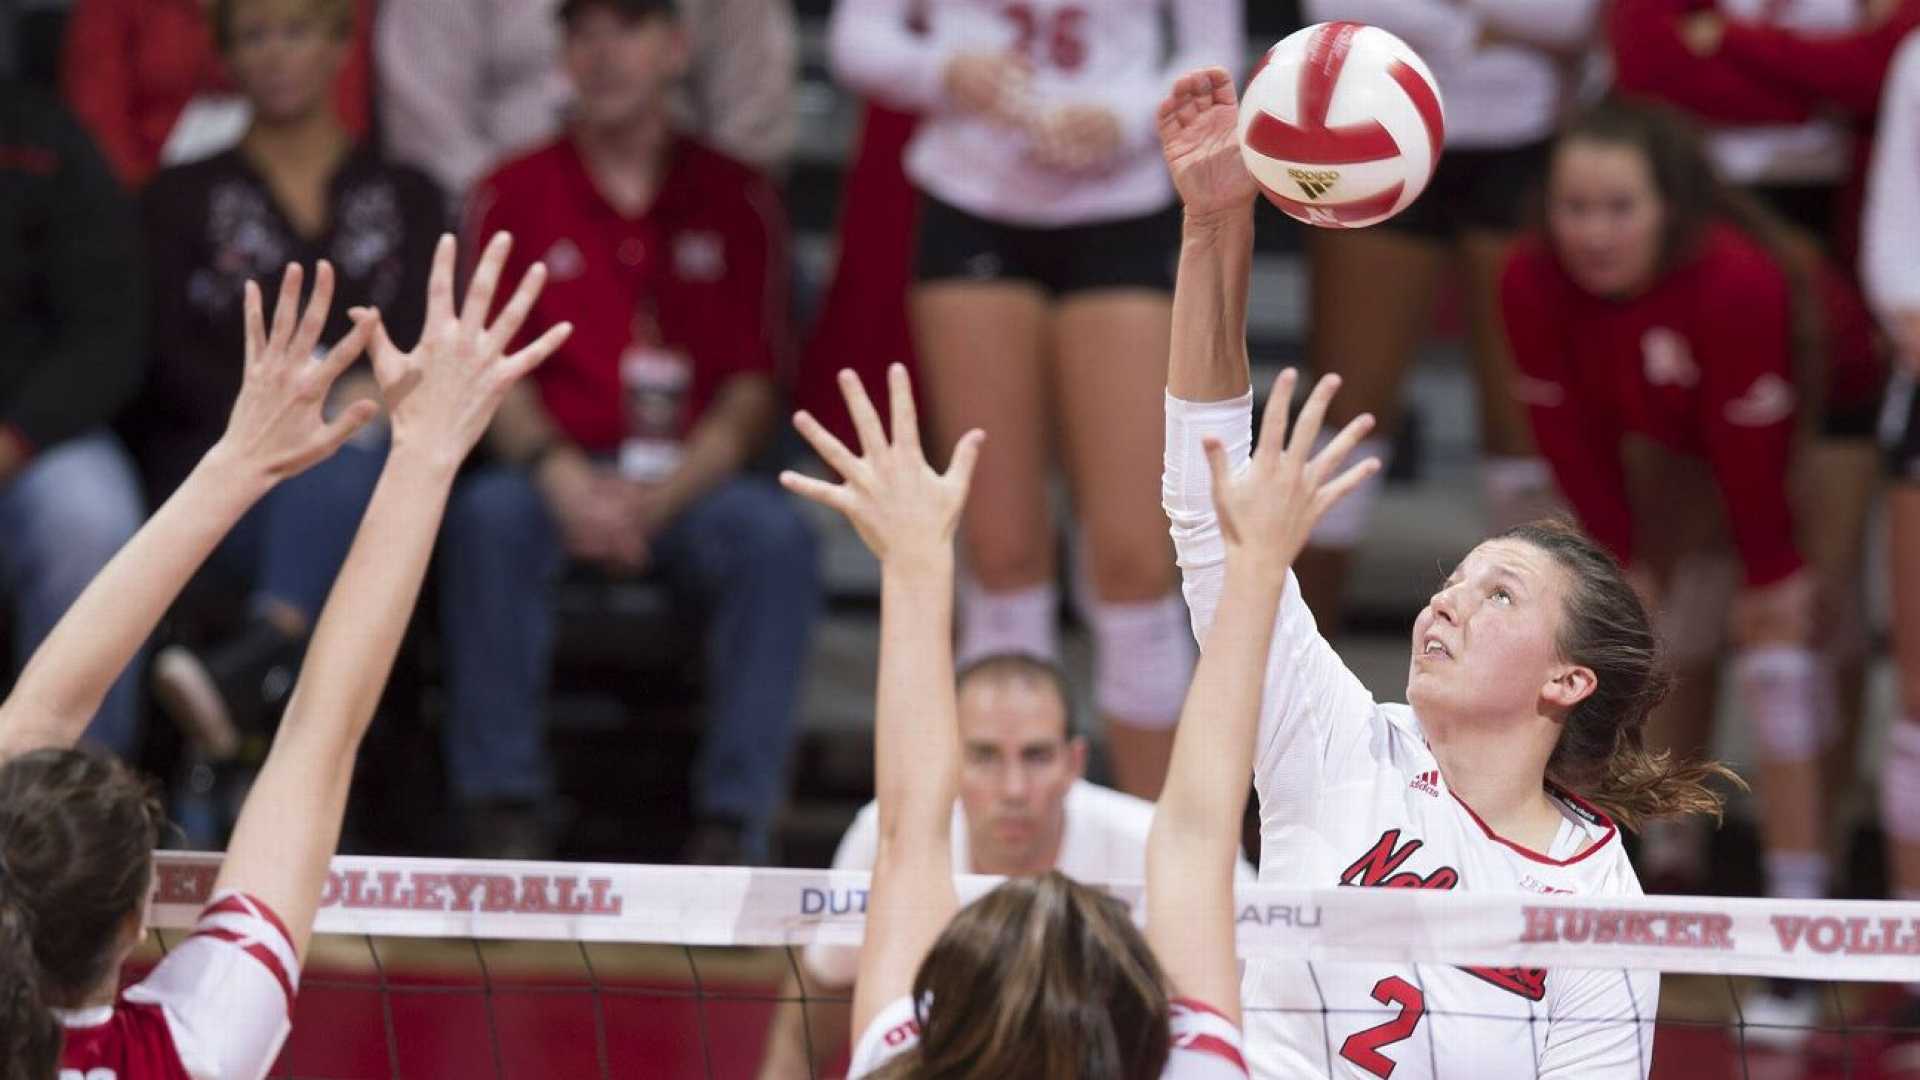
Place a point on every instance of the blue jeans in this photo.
(289, 548)
(68, 512)
(743, 549)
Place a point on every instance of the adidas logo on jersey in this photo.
(1428, 782)
(1314, 183)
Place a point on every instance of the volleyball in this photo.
(1342, 125)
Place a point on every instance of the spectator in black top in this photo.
(296, 189)
(72, 313)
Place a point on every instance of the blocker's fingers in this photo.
(815, 489)
(1307, 429)
(966, 454)
(866, 422)
(1273, 426)
(256, 321)
(514, 315)
(906, 422)
(1340, 486)
(486, 280)
(348, 348)
(440, 281)
(826, 444)
(313, 322)
(1337, 449)
(285, 306)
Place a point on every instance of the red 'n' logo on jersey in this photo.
(1376, 869)
(1380, 868)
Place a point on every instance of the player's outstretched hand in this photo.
(1199, 137)
(277, 425)
(442, 395)
(901, 507)
(1268, 510)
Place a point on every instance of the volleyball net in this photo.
(431, 968)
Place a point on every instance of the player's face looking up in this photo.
(621, 65)
(1606, 216)
(1487, 643)
(285, 54)
(1017, 761)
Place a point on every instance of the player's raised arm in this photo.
(440, 398)
(275, 431)
(1264, 514)
(906, 512)
(1198, 122)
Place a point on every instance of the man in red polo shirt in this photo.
(627, 449)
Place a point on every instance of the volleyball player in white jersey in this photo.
(77, 828)
(1044, 976)
(1533, 671)
(1040, 308)
(1507, 69)
(1890, 235)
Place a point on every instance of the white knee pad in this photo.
(1693, 611)
(1785, 692)
(1515, 490)
(1900, 781)
(1143, 661)
(1345, 523)
(1020, 621)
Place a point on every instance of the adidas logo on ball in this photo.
(1315, 183)
(1344, 103)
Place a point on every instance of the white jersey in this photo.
(216, 1008)
(1104, 839)
(1497, 95)
(1205, 1045)
(1112, 53)
(1890, 230)
(1818, 151)
(1351, 795)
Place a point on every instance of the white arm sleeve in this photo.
(1206, 33)
(871, 50)
(1891, 232)
(1563, 24)
(1601, 1026)
(227, 991)
(839, 965)
(1309, 699)
(1439, 32)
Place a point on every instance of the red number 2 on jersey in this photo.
(1363, 1047)
(1066, 38)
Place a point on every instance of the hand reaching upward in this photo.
(442, 395)
(277, 426)
(901, 507)
(1199, 137)
(1267, 511)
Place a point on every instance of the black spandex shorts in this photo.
(1488, 190)
(1130, 253)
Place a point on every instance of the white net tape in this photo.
(1854, 941)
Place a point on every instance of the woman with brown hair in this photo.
(1696, 374)
(1045, 976)
(77, 829)
(1534, 669)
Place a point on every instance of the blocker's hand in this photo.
(1199, 137)
(278, 424)
(1267, 512)
(901, 507)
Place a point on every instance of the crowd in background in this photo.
(1693, 326)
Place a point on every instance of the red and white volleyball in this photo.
(1342, 125)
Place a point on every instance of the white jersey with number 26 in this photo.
(1351, 795)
